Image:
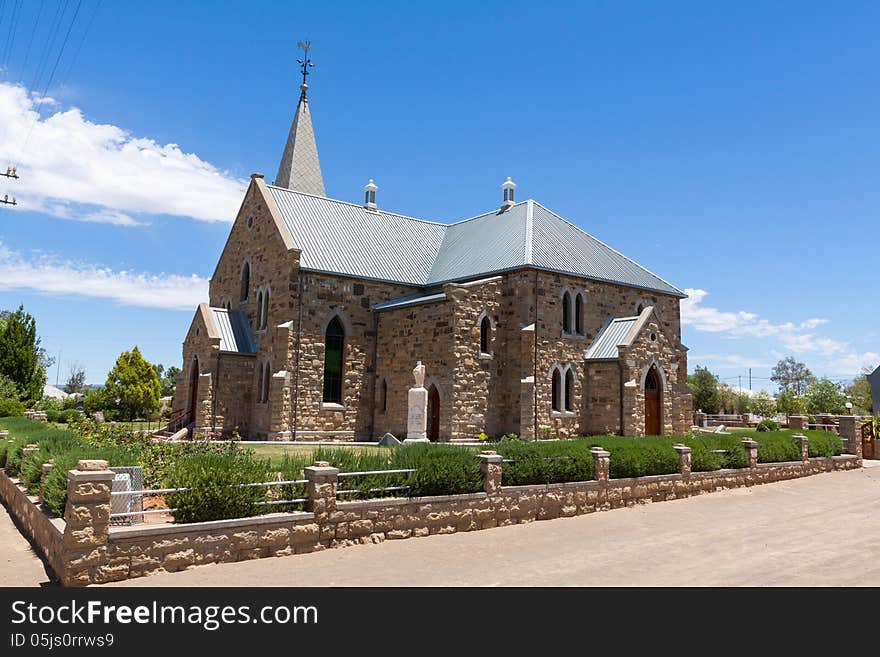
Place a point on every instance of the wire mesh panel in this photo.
(132, 479)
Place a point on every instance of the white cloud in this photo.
(69, 160)
(52, 275)
(735, 361)
(795, 338)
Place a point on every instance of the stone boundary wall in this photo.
(88, 551)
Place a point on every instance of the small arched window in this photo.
(651, 382)
(383, 397)
(267, 375)
(334, 343)
(569, 390)
(566, 313)
(556, 392)
(485, 328)
(245, 282)
(579, 314)
(260, 385)
(260, 309)
(266, 308)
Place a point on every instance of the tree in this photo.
(8, 389)
(704, 387)
(825, 396)
(134, 384)
(167, 378)
(787, 403)
(728, 398)
(743, 404)
(860, 391)
(763, 405)
(20, 355)
(792, 376)
(76, 380)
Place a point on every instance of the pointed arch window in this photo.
(334, 344)
(566, 312)
(266, 308)
(556, 392)
(260, 386)
(579, 314)
(260, 309)
(383, 396)
(267, 377)
(569, 390)
(245, 282)
(485, 332)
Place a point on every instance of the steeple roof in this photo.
(300, 169)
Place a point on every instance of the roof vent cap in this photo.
(508, 187)
(370, 195)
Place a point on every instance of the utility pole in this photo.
(58, 369)
(750, 379)
(739, 376)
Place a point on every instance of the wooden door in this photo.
(433, 414)
(869, 442)
(652, 403)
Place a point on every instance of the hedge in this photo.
(777, 447)
(639, 456)
(545, 462)
(217, 487)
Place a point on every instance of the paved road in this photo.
(821, 530)
(19, 564)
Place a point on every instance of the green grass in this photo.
(277, 453)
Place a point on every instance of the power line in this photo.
(10, 40)
(81, 42)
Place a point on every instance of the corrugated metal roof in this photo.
(343, 238)
(411, 301)
(614, 333)
(235, 334)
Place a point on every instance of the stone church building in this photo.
(319, 309)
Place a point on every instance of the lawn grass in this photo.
(277, 453)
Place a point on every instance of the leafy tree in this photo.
(792, 376)
(8, 389)
(77, 378)
(763, 405)
(167, 378)
(789, 404)
(20, 355)
(704, 387)
(134, 384)
(825, 396)
(97, 399)
(743, 404)
(860, 391)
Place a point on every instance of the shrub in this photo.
(32, 470)
(545, 462)
(215, 486)
(767, 425)
(824, 443)
(440, 469)
(13, 455)
(777, 447)
(640, 456)
(11, 408)
(54, 487)
(707, 455)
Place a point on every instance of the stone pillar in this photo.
(321, 489)
(46, 468)
(601, 464)
(745, 419)
(684, 459)
(751, 448)
(699, 419)
(798, 422)
(527, 408)
(87, 514)
(804, 446)
(490, 466)
(279, 406)
(29, 449)
(850, 431)
(417, 415)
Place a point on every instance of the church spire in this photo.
(300, 169)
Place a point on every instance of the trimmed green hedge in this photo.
(777, 447)
(545, 462)
(639, 456)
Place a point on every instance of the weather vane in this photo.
(305, 62)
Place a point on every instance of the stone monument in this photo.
(417, 416)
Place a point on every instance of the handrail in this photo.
(373, 472)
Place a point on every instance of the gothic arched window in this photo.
(556, 392)
(334, 344)
(579, 314)
(566, 313)
(485, 328)
(569, 390)
(245, 282)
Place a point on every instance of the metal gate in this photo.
(869, 441)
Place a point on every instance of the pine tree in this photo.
(20, 355)
(134, 384)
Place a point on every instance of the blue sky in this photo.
(732, 149)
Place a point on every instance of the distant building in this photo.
(53, 392)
